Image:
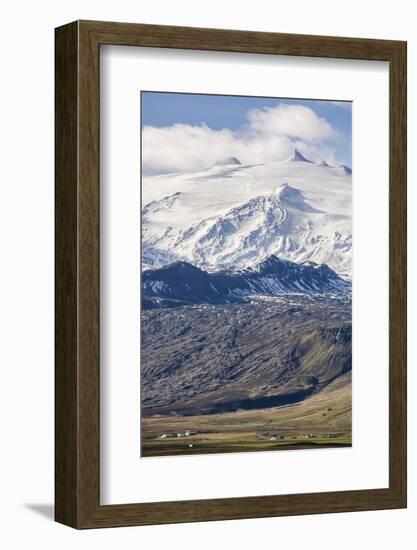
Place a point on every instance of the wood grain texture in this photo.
(398, 273)
(78, 284)
(66, 238)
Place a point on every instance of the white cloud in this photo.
(271, 134)
(295, 121)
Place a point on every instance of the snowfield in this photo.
(233, 216)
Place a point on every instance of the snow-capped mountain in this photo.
(234, 216)
(183, 282)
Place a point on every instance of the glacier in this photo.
(234, 216)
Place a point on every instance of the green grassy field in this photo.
(322, 420)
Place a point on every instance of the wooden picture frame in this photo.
(77, 421)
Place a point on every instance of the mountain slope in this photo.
(234, 216)
(182, 283)
(220, 358)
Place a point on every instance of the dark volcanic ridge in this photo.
(182, 283)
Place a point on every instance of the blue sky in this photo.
(216, 112)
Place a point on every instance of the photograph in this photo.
(208, 273)
(246, 266)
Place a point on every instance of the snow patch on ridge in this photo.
(228, 161)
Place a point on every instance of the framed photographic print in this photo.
(230, 274)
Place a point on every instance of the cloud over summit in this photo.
(295, 121)
(270, 134)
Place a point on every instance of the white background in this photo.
(125, 478)
(26, 301)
